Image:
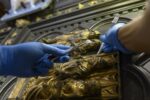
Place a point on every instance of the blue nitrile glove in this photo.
(30, 59)
(111, 41)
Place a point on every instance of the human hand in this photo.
(30, 59)
(111, 41)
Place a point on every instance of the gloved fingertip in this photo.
(107, 48)
(102, 38)
(64, 52)
(45, 62)
(64, 59)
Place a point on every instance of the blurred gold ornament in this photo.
(80, 6)
(22, 22)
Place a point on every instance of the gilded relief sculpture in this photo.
(87, 76)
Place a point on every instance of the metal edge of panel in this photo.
(84, 13)
(18, 88)
(7, 87)
(141, 79)
(82, 19)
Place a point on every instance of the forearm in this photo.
(135, 36)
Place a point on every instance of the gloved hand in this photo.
(30, 59)
(111, 41)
